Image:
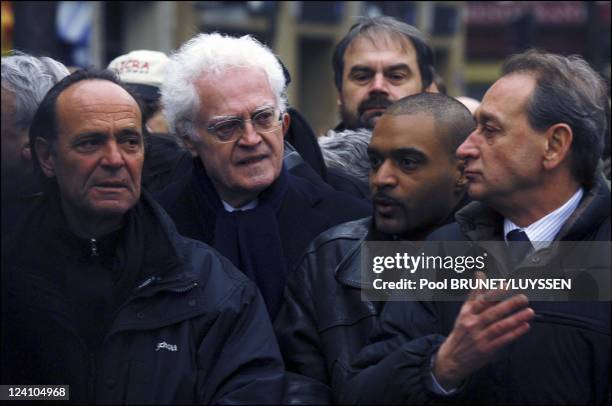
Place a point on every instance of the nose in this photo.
(378, 84)
(113, 156)
(383, 176)
(469, 148)
(250, 137)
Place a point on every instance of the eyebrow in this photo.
(97, 134)
(483, 117)
(360, 68)
(366, 68)
(87, 134)
(257, 110)
(129, 131)
(397, 66)
(400, 152)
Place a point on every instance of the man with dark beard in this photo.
(379, 61)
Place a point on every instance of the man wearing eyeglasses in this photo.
(225, 97)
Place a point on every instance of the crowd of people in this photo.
(174, 232)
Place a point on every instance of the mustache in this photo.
(383, 198)
(376, 101)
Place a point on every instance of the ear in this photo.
(461, 181)
(432, 88)
(339, 101)
(26, 153)
(286, 123)
(44, 153)
(187, 141)
(557, 145)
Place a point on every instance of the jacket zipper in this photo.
(94, 247)
(184, 288)
(92, 377)
(147, 282)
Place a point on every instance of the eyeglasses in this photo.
(264, 121)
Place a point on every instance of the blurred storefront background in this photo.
(470, 39)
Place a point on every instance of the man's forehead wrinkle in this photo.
(255, 110)
(485, 113)
(109, 108)
(381, 40)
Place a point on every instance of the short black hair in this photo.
(45, 122)
(452, 119)
(368, 27)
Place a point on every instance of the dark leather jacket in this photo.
(320, 329)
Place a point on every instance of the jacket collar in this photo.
(592, 211)
(348, 271)
(481, 223)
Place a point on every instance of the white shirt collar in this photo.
(250, 205)
(546, 229)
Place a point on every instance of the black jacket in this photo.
(192, 330)
(303, 138)
(323, 321)
(564, 358)
(307, 210)
(165, 162)
(344, 182)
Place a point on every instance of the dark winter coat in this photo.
(323, 320)
(563, 359)
(307, 210)
(192, 328)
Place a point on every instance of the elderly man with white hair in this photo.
(225, 97)
(25, 81)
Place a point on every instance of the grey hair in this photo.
(567, 91)
(212, 53)
(347, 151)
(29, 78)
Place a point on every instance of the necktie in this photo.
(519, 246)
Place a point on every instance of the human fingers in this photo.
(510, 336)
(499, 310)
(475, 293)
(489, 298)
(507, 329)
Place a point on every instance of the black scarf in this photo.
(248, 238)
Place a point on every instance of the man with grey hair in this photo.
(532, 167)
(346, 157)
(225, 97)
(25, 81)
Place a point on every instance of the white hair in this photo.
(212, 53)
(347, 151)
(29, 78)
